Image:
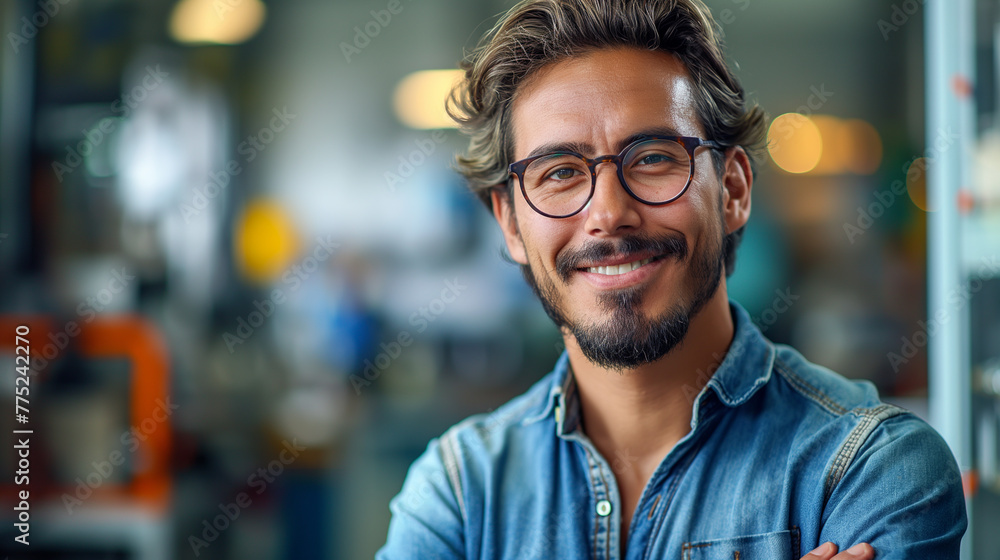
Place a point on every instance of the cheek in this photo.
(706, 202)
(696, 216)
(544, 238)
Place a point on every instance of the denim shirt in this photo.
(783, 455)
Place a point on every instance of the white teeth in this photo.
(615, 270)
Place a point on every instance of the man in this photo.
(615, 149)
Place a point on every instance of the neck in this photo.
(635, 417)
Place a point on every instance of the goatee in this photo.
(627, 338)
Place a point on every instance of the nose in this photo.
(611, 211)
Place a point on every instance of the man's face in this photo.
(597, 101)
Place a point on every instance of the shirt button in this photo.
(603, 508)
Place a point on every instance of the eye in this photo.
(563, 173)
(653, 159)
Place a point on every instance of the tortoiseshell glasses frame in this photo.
(689, 144)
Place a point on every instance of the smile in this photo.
(615, 270)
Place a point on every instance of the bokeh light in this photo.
(216, 21)
(265, 240)
(866, 147)
(916, 183)
(420, 97)
(795, 143)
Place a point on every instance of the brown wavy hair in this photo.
(535, 33)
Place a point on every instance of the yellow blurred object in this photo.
(866, 147)
(266, 241)
(420, 97)
(837, 150)
(795, 143)
(916, 184)
(225, 22)
(824, 145)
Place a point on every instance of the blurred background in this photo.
(254, 289)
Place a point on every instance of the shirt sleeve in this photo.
(427, 518)
(902, 493)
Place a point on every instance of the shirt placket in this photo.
(606, 505)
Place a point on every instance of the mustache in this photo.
(666, 246)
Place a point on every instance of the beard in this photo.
(627, 338)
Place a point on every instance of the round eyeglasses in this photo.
(654, 170)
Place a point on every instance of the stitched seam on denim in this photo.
(844, 456)
(449, 456)
(653, 508)
(796, 541)
(671, 491)
(731, 400)
(870, 419)
(688, 547)
(808, 390)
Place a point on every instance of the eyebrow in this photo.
(588, 149)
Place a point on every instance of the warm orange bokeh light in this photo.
(795, 143)
(916, 183)
(866, 147)
(420, 97)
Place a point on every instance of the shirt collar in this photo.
(745, 368)
(562, 391)
(748, 362)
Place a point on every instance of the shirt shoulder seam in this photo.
(869, 420)
(449, 456)
(807, 390)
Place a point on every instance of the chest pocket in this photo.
(780, 545)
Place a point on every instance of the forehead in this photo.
(600, 97)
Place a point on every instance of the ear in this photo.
(503, 210)
(736, 185)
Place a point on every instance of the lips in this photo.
(615, 270)
(622, 272)
(624, 257)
